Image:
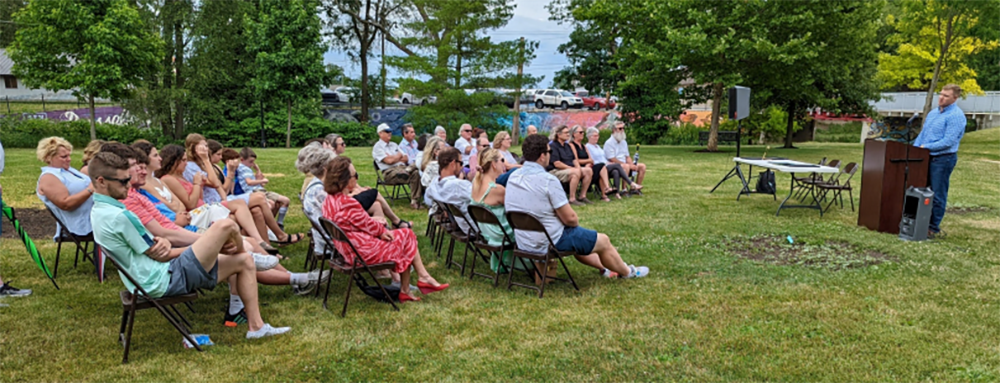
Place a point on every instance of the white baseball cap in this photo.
(383, 127)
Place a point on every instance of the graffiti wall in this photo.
(105, 115)
(544, 121)
(894, 129)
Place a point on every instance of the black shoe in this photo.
(234, 320)
(6, 290)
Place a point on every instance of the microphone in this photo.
(914, 117)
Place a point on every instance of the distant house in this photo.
(14, 89)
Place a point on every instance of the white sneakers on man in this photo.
(266, 331)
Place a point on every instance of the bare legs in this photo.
(207, 248)
(587, 174)
(259, 201)
(605, 256)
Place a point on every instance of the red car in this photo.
(595, 102)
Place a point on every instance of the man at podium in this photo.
(943, 128)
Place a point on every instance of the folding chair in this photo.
(809, 183)
(455, 232)
(337, 262)
(441, 227)
(476, 240)
(82, 242)
(838, 188)
(139, 299)
(313, 259)
(394, 193)
(528, 222)
(480, 216)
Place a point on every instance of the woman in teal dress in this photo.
(486, 193)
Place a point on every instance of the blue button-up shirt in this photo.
(410, 149)
(942, 130)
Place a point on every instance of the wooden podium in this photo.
(882, 175)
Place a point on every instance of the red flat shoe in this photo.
(404, 297)
(427, 288)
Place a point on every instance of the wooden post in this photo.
(8, 103)
(516, 129)
(43, 102)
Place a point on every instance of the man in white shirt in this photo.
(392, 162)
(616, 150)
(464, 144)
(409, 144)
(450, 188)
(533, 190)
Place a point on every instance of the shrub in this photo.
(18, 133)
(849, 132)
(686, 134)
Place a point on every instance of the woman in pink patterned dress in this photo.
(374, 242)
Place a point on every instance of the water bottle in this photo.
(635, 160)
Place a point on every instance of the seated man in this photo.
(251, 179)
(409, 146)
(565, 168)
(161, 270)
(616, 151)
(533, 190)
(392, 162)
(449, 187)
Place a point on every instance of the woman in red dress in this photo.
(374, 242)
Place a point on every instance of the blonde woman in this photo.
(502, 143)
(488, 194)
(429, 168)
(64, 190)
(88, 152)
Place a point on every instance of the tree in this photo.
(8, 29)
(591, 47)
(289, 49)
(354, 26)
(162, 99)
(102, 51)
(935, 40)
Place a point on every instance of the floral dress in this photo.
(364, 232)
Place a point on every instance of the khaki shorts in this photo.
(271, 195)
(562, 174)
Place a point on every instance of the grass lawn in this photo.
(704, 314)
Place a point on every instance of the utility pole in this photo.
(516, 130)
(383, 71)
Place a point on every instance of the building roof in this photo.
(6, 64)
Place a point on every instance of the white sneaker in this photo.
(267, 330)
(637, 272)
(264, 262)
(315, 277)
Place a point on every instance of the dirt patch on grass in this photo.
(828, 255)
(38, 223)
(967, 210)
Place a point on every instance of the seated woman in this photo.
(202, 214)
(615, 171)
(365, 195)
(585, 159)
(157, 192)
(486, 193)
(502, 142)
(199, 162)
(374, 242)
(88, 152)
(429, 168)
(64, 190)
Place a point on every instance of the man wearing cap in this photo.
(393, 163)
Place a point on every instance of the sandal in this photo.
(292, 239)
(268, 248)
(399, 225)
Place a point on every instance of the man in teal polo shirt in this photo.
(159, 269)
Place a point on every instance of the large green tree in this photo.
(97, 49)
(591, 47)
(935, 40)
(162, 98)
(288, 48)
(8, 28)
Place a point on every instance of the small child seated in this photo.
(250, 179)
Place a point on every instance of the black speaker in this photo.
(739, 102)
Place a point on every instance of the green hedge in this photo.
(18, 133)
(247, 132)
(849, 132)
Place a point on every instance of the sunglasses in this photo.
(466, 131)
(486, 146)
(123, 181)
(355, 176)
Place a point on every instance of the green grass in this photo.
(702, 315)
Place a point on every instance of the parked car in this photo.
(408, 98)
(556, 97)
(339, 94)
(595, 102)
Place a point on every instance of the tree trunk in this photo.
(515, 130)
(179, 81)
(713, 133)
(789, 127)
(93, 120)
(163, 105)
(928, 101)
(288, 132)
(365, 94)
(458, 64)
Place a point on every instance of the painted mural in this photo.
(544, 121)
(105, 115)
(893, 129)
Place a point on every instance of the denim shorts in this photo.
(187, 275)
(578, 240)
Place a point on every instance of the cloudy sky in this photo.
(530, 21)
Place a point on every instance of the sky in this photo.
(530, 21)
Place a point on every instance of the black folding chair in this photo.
(337, 262)
(457, 235)
(138, 299)
(837, 188)
(397, 191)
(483, 216)
(528, 222)
(477, 241)
(82, 243)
